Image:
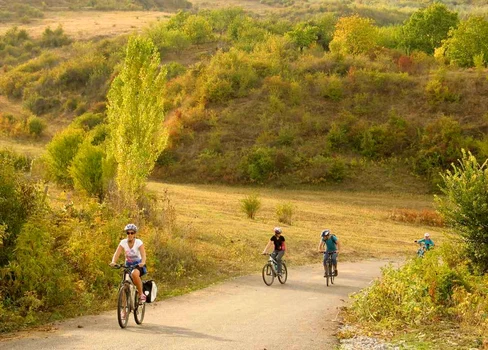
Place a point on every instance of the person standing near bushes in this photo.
(279, 247)
(135, 255)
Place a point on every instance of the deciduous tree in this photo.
(466, 42)
(354, 35)
(135, 115)
(426, 28)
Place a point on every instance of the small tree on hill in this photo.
(468, 42)
(354, 35)
(426, 28)
(465, 206)
(303, 35)
(136, 114)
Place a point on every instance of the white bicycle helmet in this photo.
(427, 235)
(278, 230)
(130, 227)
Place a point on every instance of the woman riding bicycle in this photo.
(135, 255)
(279, 247)
(331, 243)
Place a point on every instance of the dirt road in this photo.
(239, 314)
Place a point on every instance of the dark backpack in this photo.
(150, 290)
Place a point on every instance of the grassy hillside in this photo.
(247, 104)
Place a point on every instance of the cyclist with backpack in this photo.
(135, 255)
(279, 247)
(427, 242)
(329, 245)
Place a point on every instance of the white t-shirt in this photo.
(132, 255)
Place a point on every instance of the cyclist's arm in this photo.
(143, 256)
(321, 246)
(116, 255)
(267, 246)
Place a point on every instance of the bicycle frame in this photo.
(128, 298)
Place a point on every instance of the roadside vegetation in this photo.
(439, 301)
(326, 96)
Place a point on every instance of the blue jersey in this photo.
(330, 243)
(428, 243)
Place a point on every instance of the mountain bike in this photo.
(270, 271)
(128, 298)
(421, 251)
(329, 270)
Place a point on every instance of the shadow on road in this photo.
(151, 328)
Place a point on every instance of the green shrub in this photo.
(259, 164)
(60, 153)
(36, 126)
(54, 38)
(40, 105)
(18, 199)
(464, 206)
(250, 205)
(89, 120)
(86, 170)
(284, 212)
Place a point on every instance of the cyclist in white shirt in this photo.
(135, 255)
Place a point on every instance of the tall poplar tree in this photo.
(136, 114)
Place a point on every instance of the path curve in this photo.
(241, 313)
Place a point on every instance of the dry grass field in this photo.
(82, 25)
(360, 220)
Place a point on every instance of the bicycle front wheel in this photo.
(268, 274)
(328, 278)
(123, 306)
(284, 274)
(139, 309)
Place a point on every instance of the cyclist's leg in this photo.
(334, 263)
(136, 278)
(326, 255)
(279, 255)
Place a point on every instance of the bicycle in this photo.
(329, 269)
(270, 271)
(421, 251)
(128, 298)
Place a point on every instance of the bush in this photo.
(60, 153)
(54, 38)
(18, 199)
(284, 212)
(259, 164)
(250, 205)
(464, 206)
(86, 170)
(36, 126)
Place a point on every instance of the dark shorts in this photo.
(142, 270)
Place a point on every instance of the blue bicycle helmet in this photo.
(325, 233)
(130, 227)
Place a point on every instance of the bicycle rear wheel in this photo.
(284, 274)
(139, 309)
(123, 306)
(268, 274)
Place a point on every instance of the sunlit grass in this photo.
(360, 220)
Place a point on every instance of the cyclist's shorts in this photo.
(142, 270)
(334, 257)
